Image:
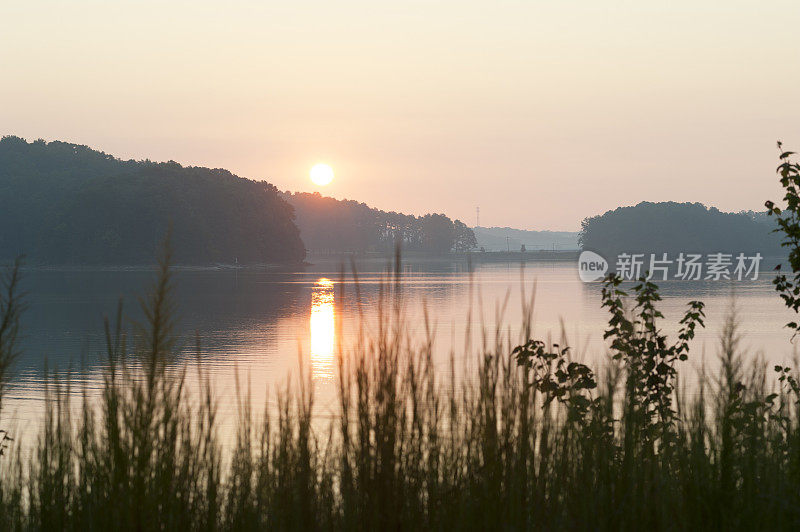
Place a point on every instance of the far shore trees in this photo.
(66, 204)
(669, 227)
(330, 225)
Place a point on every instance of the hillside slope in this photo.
(63, 204)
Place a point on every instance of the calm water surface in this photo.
(261, 326)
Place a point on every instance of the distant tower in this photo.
(477, 216)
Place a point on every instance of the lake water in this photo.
(261, 325)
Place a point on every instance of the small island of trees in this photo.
(671, 227)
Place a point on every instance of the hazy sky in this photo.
(540, 112)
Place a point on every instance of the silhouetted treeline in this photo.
(62, 203)
(328, 224)
(679, 227)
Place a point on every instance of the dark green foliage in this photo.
(331, 225)
(788, 220)
(557, 378)
(646, 353)
(66, 204)
(674, 228)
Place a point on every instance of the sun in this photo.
(321, 174)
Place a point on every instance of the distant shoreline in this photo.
(473, 256)
(314, 257)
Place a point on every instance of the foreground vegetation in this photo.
(528, 438)
(531, 439)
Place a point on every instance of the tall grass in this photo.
(530, 439)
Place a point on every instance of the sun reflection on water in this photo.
(322, 329)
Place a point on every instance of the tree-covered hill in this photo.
(671, 227)
(62, 204)
(330, 225)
